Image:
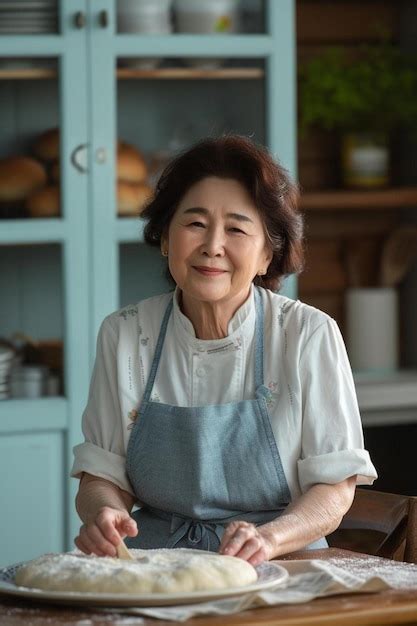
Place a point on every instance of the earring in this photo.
(164, 252)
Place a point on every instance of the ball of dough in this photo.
(153, 571)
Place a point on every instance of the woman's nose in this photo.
(214, 243)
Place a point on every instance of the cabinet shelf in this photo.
(352, 200)
(171, 73)
(182, 73)
(26, 231)
(28, 74)
(33, 414)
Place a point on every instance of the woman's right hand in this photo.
(101, 535)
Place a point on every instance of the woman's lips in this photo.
(208, 271)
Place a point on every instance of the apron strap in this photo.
(157, 355)
(259, 339)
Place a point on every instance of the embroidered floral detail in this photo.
(272, 393)
(290, 394)
(144, 342)
(283, 309)
(155, 398)
(126, 312)
(133, 416)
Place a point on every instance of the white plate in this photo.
(269, 575)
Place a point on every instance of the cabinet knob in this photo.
(79, 19)
(103, 18)
(101, 155)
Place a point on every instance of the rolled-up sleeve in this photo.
(332, 440)
(103, 454)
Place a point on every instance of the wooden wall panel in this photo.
(353, 21)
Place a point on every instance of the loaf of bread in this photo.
(46, 147)
(131, 198)
(45, 202)
(131, 166)
(19, 177)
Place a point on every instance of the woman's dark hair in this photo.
(273, 193)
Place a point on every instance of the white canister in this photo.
(29, 381)
(372, 328)
(208, 16)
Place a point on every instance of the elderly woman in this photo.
(224, 411)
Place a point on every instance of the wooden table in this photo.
(388, 607)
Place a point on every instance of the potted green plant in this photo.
(365, 97)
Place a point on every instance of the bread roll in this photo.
(131, 198)
(131, 166)
(45, 202)
(19, 177)
(46, 147)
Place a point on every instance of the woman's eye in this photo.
(199, 224)
(234, 229)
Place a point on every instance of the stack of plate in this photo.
(26, 17)
(7, 360)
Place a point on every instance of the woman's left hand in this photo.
(248, 542)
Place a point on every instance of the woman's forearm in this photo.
(315, 514)
(95, 493)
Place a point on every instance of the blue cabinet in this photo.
(68, 272)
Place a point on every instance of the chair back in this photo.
(381, 524)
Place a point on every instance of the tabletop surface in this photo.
(388, 607)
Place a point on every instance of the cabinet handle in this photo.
(103, 18)
(79, 19)
(79, 158)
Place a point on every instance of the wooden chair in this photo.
(381, 524)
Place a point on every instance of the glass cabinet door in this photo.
(43, 267)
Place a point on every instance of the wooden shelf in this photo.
(183, 73)
(352, 200)
(168, 73)
(28, 74)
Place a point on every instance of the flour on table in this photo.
(153, 571)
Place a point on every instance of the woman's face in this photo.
(216, 242)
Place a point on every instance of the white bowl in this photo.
(217, 17)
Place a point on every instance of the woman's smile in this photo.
(208, 271)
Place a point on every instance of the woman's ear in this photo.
(269, 255)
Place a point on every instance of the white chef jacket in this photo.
(313, 407)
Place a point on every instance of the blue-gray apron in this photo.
(196, 469)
